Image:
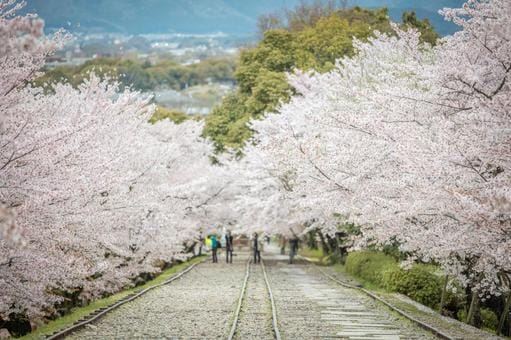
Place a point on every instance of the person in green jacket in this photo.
(214, 248)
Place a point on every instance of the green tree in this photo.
(428, 33)
(173, 115)
(316, 35)
(228, 122)
(270, 88)
(144, 76)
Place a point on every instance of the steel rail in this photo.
(241, 299)
(240, 303)
(276, 331)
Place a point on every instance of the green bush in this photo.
(462, 315)
(393, 250)
(370, 266)
(489, 318)
(418, 283)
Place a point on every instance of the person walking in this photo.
(293, 248)
(256, 248)
(214, 248)
(283, 242)
(228, 247)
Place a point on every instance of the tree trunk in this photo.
(504, 316)
(200, 247)
(332, 244)
(444, 295)
(311, 240)
(324, 244)
(474, 305)
(338, 242)
(191, 248)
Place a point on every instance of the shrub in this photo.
(462, 315)
(489, 318)
(393, 250)
(418, 283)
(370, 265)
(382, 270)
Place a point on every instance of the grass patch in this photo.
(79, 312)
(341, 269)
(316, 255)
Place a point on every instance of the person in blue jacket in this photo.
(214, 248)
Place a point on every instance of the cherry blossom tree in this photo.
(22, 54)
(91, 194)
(93, 203)
(411, 142)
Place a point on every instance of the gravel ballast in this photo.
(310, 306)
(201, 305)
(198, 305)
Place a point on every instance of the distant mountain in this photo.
(424, 9)
(198, 16)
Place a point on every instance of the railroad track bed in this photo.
(442, 326)
(87, 320)
(255, 317)
(310, 306)
(255, 321)
(243, 301)
(198, 305)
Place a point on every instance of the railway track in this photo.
(98, 314)
(256, 300)
(251, 317)
(438, 333)
(308, 306)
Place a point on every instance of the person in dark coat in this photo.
(228, 247)
(293, 247)
(256, 248)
